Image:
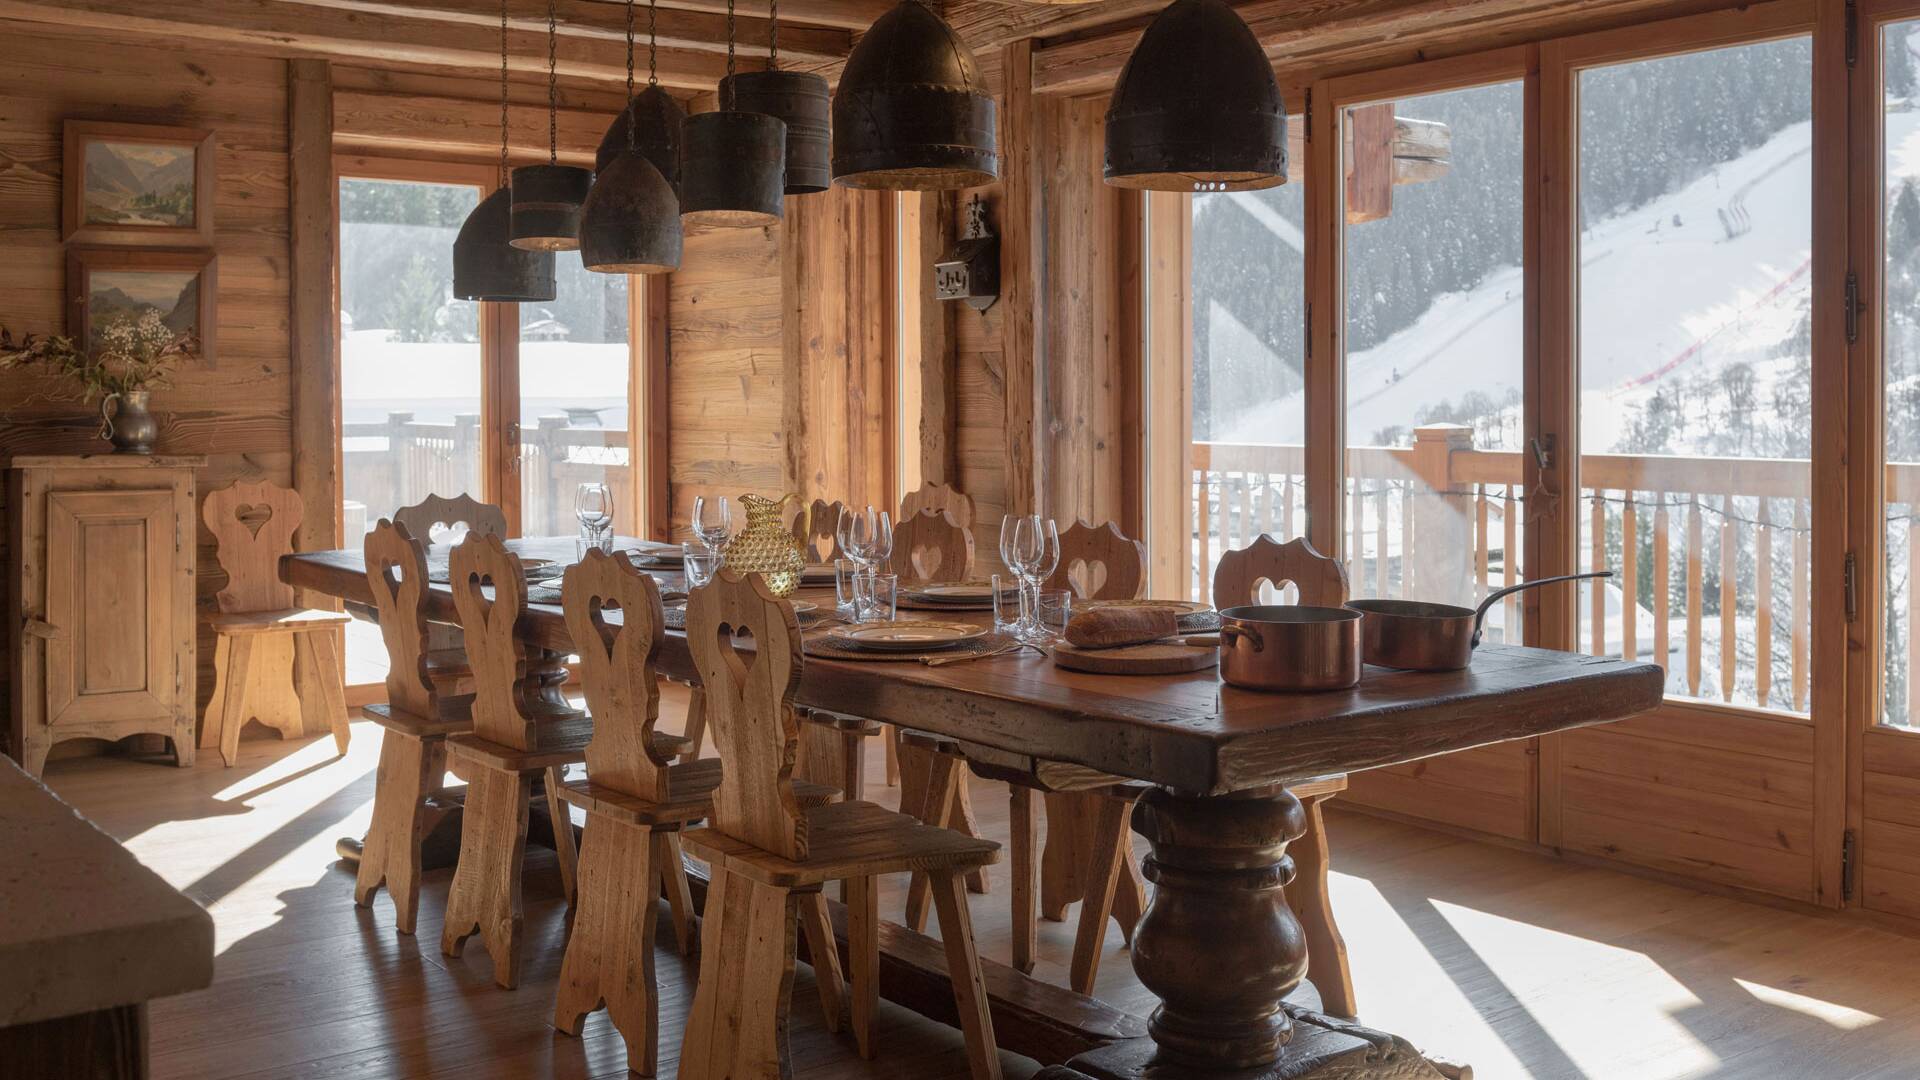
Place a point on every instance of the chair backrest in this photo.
(938, 497)
(397, 576)
(1321, 581)
(438, 511)
(1098, 563)
(253, 521)
(616, 670)
(494, 654)
(931, 546)
(816, 530)
(749, 704)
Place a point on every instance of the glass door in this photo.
(1886, 160)
(574, 419)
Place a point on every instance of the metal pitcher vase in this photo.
(126, 423)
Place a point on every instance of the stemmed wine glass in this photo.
(593, 506)
(1030, 547)
(866, 536)
(712, 521)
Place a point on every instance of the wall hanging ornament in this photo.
(912, 112)
(631, 221)
(732, 163)
(547, 198)
(485, 265)
(801, 101)
(1176, 124)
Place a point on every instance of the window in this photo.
(1900, 358)
(574, 364)
(1435, 349)
(1695, 361)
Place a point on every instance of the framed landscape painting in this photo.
(137, 184)
(110, 285)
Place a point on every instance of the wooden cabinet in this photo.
(101, 581)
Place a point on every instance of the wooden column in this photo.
(1326, 379)
(311, 323)
(1168, 410)
(929, 399)
(1020, 275)
(650, 428)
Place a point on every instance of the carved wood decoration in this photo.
(445, 513)
(253, 522)
(931, 546)
(749, 707)
(938, 497)
(616, 669)
(499, 713)
(1098, 563)
(397, 576)
(1321, 581)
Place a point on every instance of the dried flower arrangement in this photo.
(129, 355)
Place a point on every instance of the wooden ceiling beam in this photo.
(275, 28)
(678, 29)
(845, 14)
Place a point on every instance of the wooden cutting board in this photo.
(1155, 659)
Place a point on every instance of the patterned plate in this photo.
(1180, 607)
(916, 635)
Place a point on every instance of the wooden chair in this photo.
(817, 531)
(770, 855)
(1322, 582)
(636, 801)
(508, 748)
(273, 662)
(931, 546)
(422, 708)
(938, 497)
(448, 515)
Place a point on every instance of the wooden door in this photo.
(111, 600)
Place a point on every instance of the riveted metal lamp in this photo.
(912, 112)
(630, 223)
(547, 198)
(732, 163)
(800, 99)
(485, 265)
(1197, 107)
(652, 119)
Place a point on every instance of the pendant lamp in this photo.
(912, 112)
(651, 121)
(547, 198)
(485, 265)
(800, 99)
(1197, 107)
(732, 163)
(630, 223)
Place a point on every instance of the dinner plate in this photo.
(955, 592)
(665, 557)
(817, 574)
(907, 636)
(1179, 607)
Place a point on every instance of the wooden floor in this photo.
(1520, 965)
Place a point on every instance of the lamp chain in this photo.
(773, 34)
(731, 95)
(653, 42)
(632, 121)
(503, 91)
(553, 86)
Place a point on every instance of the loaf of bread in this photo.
(1110, 628)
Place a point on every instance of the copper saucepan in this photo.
(1290, 647)
(1418, 636)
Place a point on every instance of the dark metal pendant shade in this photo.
(546, 206)
(486, 267)
(1197, 107)
(802, 102)
(656, 120)
(631, 221)
(732, 169)
(912, 112)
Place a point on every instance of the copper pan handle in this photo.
(1480, 614)
(1229, 633)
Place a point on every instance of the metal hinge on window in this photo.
(1853, 34)
(1853, 593)
(1846, 865)
(1855, 307)
(1307, 119)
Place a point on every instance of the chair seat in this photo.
(447, 663)
(456, 715)
(287, 619)
(848, 840)
(692, 784)
(556, 742)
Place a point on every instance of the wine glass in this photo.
(593, 506)
(712, 521)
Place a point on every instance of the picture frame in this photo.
(136, 184)
(103, 282)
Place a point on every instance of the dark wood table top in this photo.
(1191, 733)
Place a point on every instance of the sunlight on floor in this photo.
(1840, 1016)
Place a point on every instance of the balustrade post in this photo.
(1443, 516)
(399, 444)
(545, 439)
(466, 456)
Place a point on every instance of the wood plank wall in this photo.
(236, 410)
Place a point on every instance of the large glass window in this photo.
(574, 426)
(1695, 244)
(1900, 353)
(1434, 206)
(1249, 369)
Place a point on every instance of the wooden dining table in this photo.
(1217, 943)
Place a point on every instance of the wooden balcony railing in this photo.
(1715, 586)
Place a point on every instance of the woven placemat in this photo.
(676, 617)
(817, 645)
(1200, 622)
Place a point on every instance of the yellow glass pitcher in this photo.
(766, 547)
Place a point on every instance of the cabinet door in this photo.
(110, 597)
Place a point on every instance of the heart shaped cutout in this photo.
(737, 650)
(927, 562)
(254, 516)
(1087, 578)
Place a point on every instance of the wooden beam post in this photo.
(1020, 275)
(311, 323)
(929, 405)
(1169, 407)
(650, 425)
